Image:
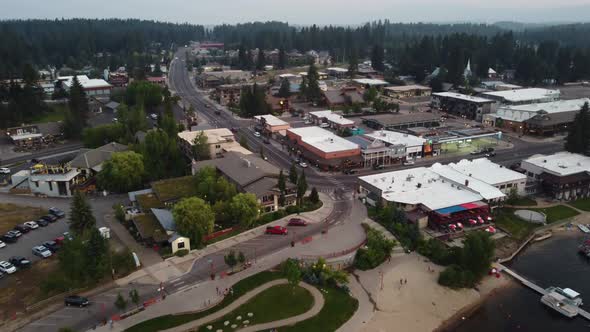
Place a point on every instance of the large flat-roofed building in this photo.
(401, 121)
(412, 145)
(375, 152)
(334, 120)
(407, 91)
(459, 104)
(543, 117)
(323, 148)
(219, 140)
(213, 79)
(93, 87)
(271, 124)
(370, 82)
(523, 96)
(562, 176)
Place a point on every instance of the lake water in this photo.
(553, 262)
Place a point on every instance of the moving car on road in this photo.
(41, 251)
(57, 212)
(277, 230)
(257, 134)
(409, 162)
(4, 170)
(2, 244)
(297, 222)
(76, 300)
(303, 165)
(7, 267)
(20, 262)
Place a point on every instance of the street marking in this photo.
(182, 282)
(42, 324)
(59, 316)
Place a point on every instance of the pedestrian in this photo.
(405, 281)
(401, 281)
(217, 290)
(232, 291)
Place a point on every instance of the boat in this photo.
(584, 229)
(543, 237)
(558, 301)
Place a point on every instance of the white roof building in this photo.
(463, 97)
(87, 83)
(271, 120)
(489, 172)
(323, 140)
(559, 164)
(214, 136)
(370, 82)
(337, 70)
(520, 113)
(397, 138)
(332, 117)
(487, 191)
(523, 96)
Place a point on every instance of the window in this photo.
(217, 146)
(181, 245)
(50, 185)
(509, 185)
(37, 184)
(502, 186)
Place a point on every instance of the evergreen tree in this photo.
(260, 60)
(230, 259)
(303, 87)
(282, 59)
(200, 147)
(120, 302)
(353, 64)
(82, 220)
(285, 89)
(96, 255)
(301, 187)
(314, 197)
(282, 185)
(578, 138)
(78, 110)
(293, 176)
(313, 91)
(377, 58)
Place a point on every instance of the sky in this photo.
(321, 12)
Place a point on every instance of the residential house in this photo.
(219, 141)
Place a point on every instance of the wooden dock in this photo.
(533, 286)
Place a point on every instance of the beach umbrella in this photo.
(480, 219)
(472, 222)
(460, 225)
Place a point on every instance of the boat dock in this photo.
(533, 286)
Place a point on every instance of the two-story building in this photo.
(219, 141)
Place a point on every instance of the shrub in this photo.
(181, 253)
(377, 250)
(122, 262)
(456, 277)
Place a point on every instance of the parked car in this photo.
(154, 116)
(303, 165)
(2, 275)
(350, 171)
(22, 228)
(52, 246)
(4, 170)
(278, 230)
(42, 222)
(15, 233)
(324, 125)
(297, 222)
(68, 236)
(7, 267)
(20, 262)
(217, 112)
(490, 154)
(257, 134)
(2, 244)
(9, 238)
(377, 166)
(76, 300)
(50, 218)
(409, 162)
(57, 212)
(41, 251)
(31, 225)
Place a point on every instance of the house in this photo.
(48, 180)
(90, 161)
(337, 72)
(561, 176)
(166, 221)
(407, 147)
(345, 96)
(252, 174)
(219, 140)
(271, 124)
(407, 91)
(33, 135)
(366, 83)
(161, 81)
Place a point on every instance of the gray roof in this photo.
(140, 136)
(112, 105)
(175, 237)
(552, 119)
(398, 119)
(343, 96)
(50, 128)
(261, 187)
(242, 169)
(165, 219)
(133, 194)
(94, 158)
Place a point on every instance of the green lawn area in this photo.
(172, 189)
(240, 288)
(275, 303)
(524, 201)
(517, 227)
(339, 306)
(581, 204)
(557, 213)
(56, 113)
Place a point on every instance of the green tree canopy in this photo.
(314, 197)
(161, 156)
(194, 218)
(292, 271)
(578, 138)
(285, 89)
(82, 220)
(293, 176)
(245, 208)
(200, 147)
(124, 172)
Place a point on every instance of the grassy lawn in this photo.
(56, 113)
(524, 201)
(275, 303)
(581, 204)
(517, 227)
(172, 189)
(557, 213)
(240, 288)
(148, 201)
(148, 226)
(14, 214)
(339, 306)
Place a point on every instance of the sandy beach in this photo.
(420, 304)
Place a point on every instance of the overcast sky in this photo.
(304, 11)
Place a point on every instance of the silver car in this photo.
(41, 251)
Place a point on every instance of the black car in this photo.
(491, 154)
(50, 218)
(22, 228)
(75, 300)
(42, 222)
(57, 212)
(9, 238)
(52, 246)
(350, 171)
(20, 262)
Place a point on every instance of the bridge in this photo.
(533, 286)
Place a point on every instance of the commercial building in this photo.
(411, 146)
(401, 121)
(471, 107)
(345, 96)
(370, 82)
(208, 80)
(323, 148)
(219, 140)
(523, 96)
(271, 124)
(93, 87)
(562, 176)
(229, 94)
(337, 72)
(551, 117)
(407, 91)
(334, 120)
(375, 152)
(252, 174)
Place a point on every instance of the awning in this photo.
(473, 205)
(450, 209)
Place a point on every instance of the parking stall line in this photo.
(42, 324)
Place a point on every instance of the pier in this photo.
(533, 286)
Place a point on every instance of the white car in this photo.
(324, 125)
(4, 170)
(41, 251)
(302, 164)
(409, 162)
(257, 134)
(154, 116)
(2, 244)
(7, 267)
(31, 225)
